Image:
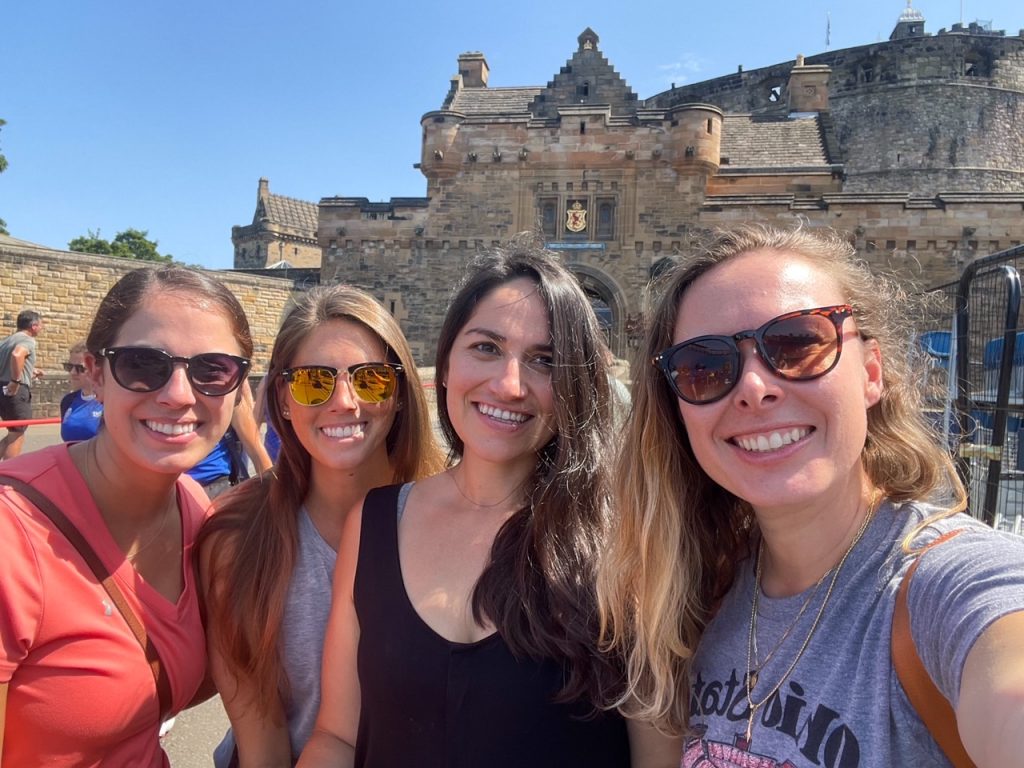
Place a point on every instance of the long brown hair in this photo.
(255, 529)
(677, 539)
(538, 586)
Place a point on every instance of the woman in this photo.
(168, 349)
(80, 411)
(344, 395)
(788, 483)
(462, 630)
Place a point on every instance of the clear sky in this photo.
(163, 116)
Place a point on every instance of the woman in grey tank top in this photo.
(344, 395)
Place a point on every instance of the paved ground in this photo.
(197, 731)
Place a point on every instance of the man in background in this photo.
(17, 372)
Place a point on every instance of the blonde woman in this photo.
(788, 482)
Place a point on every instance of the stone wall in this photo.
(923, 114)
(67, 287)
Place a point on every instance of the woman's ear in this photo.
(283, 401)
(94, 373)
(873, 384)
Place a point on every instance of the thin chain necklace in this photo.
(133, 553)
(760, 664)
(130, 556)
(752, 674)
(475, 503)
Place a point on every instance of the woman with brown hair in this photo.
(463, 627)
(343, 394)
(788, 483)
(102, 639)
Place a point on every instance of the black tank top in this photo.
(429, 702)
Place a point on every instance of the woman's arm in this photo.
(334, 736)
(650, 749)
(244, 423)
(990, 712)
(261, 736)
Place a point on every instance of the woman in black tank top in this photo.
(464, 632)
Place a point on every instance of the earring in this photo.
(286, 413)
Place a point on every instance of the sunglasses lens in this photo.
(311, 386)
(141, 369)
(215, 373)
(374, 383)
(801, 347)
(703, 371)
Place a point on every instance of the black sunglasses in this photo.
(797, 346)
(76, 367)
(146, 369)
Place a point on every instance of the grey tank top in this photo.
(302, 636)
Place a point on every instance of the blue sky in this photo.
(163, 116)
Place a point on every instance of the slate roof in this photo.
(759, 142)
(289, 212)
(493, 101)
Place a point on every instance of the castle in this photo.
(914, 146)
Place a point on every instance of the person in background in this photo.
(228, 463)
(463, 629)
(788, 482)
(18, 372)
(167, 351)
(80, 410)
(343, 393)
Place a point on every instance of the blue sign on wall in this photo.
(576, 246)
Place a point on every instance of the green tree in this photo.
(129, 244)
(90, 243)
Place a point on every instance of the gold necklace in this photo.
(130, 556)
(477, 503)
(759, 665)
(751, 674)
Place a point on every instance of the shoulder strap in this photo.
(103, 576)
(932, 707)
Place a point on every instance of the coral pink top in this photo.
(79, 689)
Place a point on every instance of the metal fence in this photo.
(975, 383)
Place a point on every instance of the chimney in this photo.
(474, 70)
(808, 87)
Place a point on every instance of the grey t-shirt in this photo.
(7, 346)
(303, 628)
(843, 704)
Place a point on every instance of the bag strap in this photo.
(932, 707)
(103, 575)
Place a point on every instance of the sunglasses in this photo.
(798, 346)
(314, 384)
(146, 369)
(76, 367)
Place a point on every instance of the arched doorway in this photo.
(608, 301)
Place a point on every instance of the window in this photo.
(549, 218)
(605, 219)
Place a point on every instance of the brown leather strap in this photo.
(932, 707)
(104, 577)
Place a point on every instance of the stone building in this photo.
(282, 234)
(914, 146)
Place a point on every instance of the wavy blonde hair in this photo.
(674, 547)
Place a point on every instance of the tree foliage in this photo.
(129, 244)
